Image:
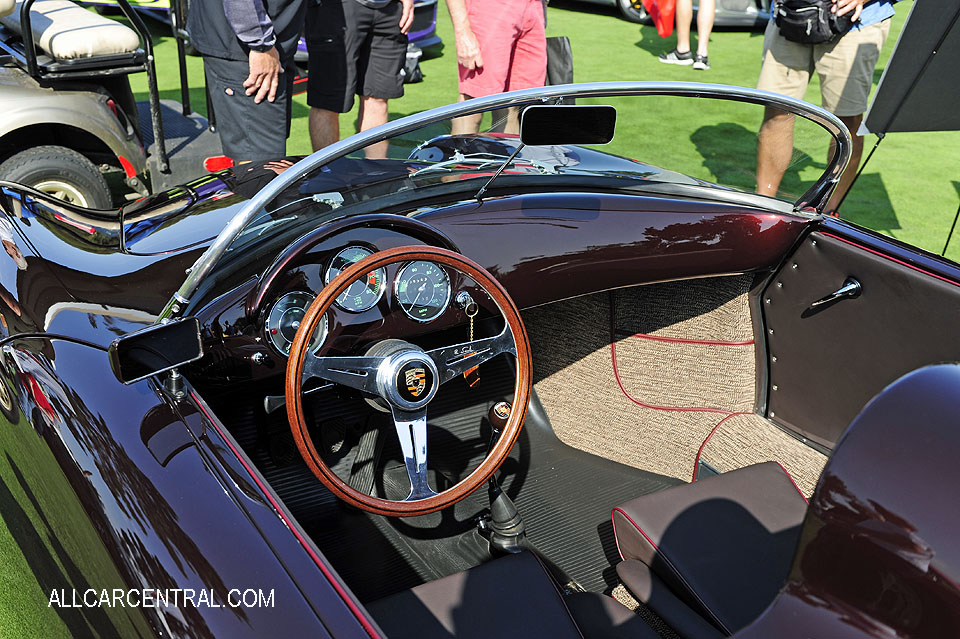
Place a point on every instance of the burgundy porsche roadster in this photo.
(518, 367)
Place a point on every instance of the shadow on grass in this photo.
(28, 536)
(653, 44)
(868, 204)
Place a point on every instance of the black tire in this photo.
(633, 13)
(59, 171)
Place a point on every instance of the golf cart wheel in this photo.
(60, 172)
(633, 11)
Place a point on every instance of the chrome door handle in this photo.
(851, 288)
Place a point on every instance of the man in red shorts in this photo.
(501, 46)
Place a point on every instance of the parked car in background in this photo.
(421, 396)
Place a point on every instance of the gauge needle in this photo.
(417, 298)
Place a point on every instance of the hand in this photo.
(406, 19)
(840, 7)
(264, 75)
(468, 50)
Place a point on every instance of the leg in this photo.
(268, 141)
(324, 127)
(705, 15)
(332, 43)
(374, 112)
(380, 76)
(785, 69)
(846, 178)
(846, 74)
(683, 18)
(774, 149)
(467, 123)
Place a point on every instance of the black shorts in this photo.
(354, 50)
(248, 131)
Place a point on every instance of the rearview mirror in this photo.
(567, 124)
(155, 349)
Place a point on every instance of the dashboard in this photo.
(248, 331)
(421, 290)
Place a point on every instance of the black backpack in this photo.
(810, 21)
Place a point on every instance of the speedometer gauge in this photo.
(285, 318)
(365, 292)
(423, 290)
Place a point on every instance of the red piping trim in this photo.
(695, 409)
(696, 461)
(892, 259)
(805, 500)
(616, 375)
(316, 559)
(684, 340)
(669, 563)
(639, 529)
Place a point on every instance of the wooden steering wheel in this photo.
(384, 371)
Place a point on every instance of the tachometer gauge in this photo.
(365, 292)
(422, 290)
(285, 318)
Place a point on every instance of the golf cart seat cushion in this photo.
(6, 7)
(66, 31)
(723, 544)
(512, 596)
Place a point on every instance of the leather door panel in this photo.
(825, 366)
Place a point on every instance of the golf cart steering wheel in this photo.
(386, 370)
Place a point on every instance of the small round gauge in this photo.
(365, 292)
(285, 318)
(422, 290)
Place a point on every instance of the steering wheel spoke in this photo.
(456, 360)
(412, 432)
(356, 372)
(406, 378)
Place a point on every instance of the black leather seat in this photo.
(722, 545)
(508, 597)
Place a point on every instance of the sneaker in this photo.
(701, 63)
(675, 57)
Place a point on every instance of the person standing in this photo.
(356, 47)
(845, 67)
(501, 46)
(247, 48)
(682, 54)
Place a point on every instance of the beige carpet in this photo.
(577, 384)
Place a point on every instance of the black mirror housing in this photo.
(567, 124)
(155, 349)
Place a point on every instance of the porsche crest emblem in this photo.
(416, 379)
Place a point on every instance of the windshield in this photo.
(676, 139)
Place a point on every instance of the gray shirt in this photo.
(250, 22)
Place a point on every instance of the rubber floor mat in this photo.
(564, 495)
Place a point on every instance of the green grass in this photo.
(909, 190)
(47, 542)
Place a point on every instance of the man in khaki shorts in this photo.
(845, 67)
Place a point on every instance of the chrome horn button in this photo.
(408, 380)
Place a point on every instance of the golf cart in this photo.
(71, 125)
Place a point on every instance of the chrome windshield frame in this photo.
(815, 198)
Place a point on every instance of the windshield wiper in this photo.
(483, 189)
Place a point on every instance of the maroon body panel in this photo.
(878, 553)
(547, 247)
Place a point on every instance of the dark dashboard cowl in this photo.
(287, 259)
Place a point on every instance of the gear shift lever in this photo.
(505, 529)
(507, 532)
